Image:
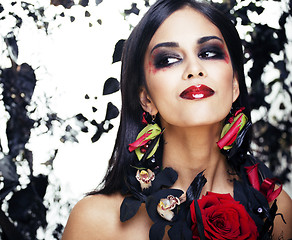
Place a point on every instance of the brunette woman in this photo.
(181, 166)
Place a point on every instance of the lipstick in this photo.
(197, 92)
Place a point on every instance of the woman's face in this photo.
(188, 72)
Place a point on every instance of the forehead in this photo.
(184, 24)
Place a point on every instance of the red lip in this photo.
(197, 92)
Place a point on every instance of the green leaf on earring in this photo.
(150, 132)
(231, 130)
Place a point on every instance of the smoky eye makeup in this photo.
(165, 58)
(213, 51)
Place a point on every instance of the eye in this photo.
(165, 60)
(172, 60)
(208, 55)
(212, 52)
(168, 61)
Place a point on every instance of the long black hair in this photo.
(132, 78)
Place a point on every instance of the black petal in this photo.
(111, 112)
(157, 231)
(97, 135)
(118, 51)
(129, 208)
(150, 148)
(239, 140)
(166, 178)
(111, 85)
(196, 186)
(180, 231)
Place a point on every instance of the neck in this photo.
(190, 151)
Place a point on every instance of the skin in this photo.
(190, 133)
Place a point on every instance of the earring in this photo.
(148, 119)
(231, 110)
(147, 140)
(153, 118)
(233, 133)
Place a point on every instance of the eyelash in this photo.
(217, 52)
(161, 60)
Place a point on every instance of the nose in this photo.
(194, 70)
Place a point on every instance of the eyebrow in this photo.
(165, 44)
(208, 38)
(175, 44)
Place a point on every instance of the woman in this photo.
(188, 174)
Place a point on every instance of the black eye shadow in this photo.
(217, 49)
(162, 57)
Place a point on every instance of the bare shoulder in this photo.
(283, 230)
(94, 217)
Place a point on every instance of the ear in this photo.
(236, 90)
(146, 102)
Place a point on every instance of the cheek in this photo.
(157, 80)
(158, 86)
(227, 75)
(222, 75)
(162, 88)
(225, 84)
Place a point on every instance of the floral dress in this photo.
(246, 215)
(213, 216)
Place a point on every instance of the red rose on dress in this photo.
(223, 218)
